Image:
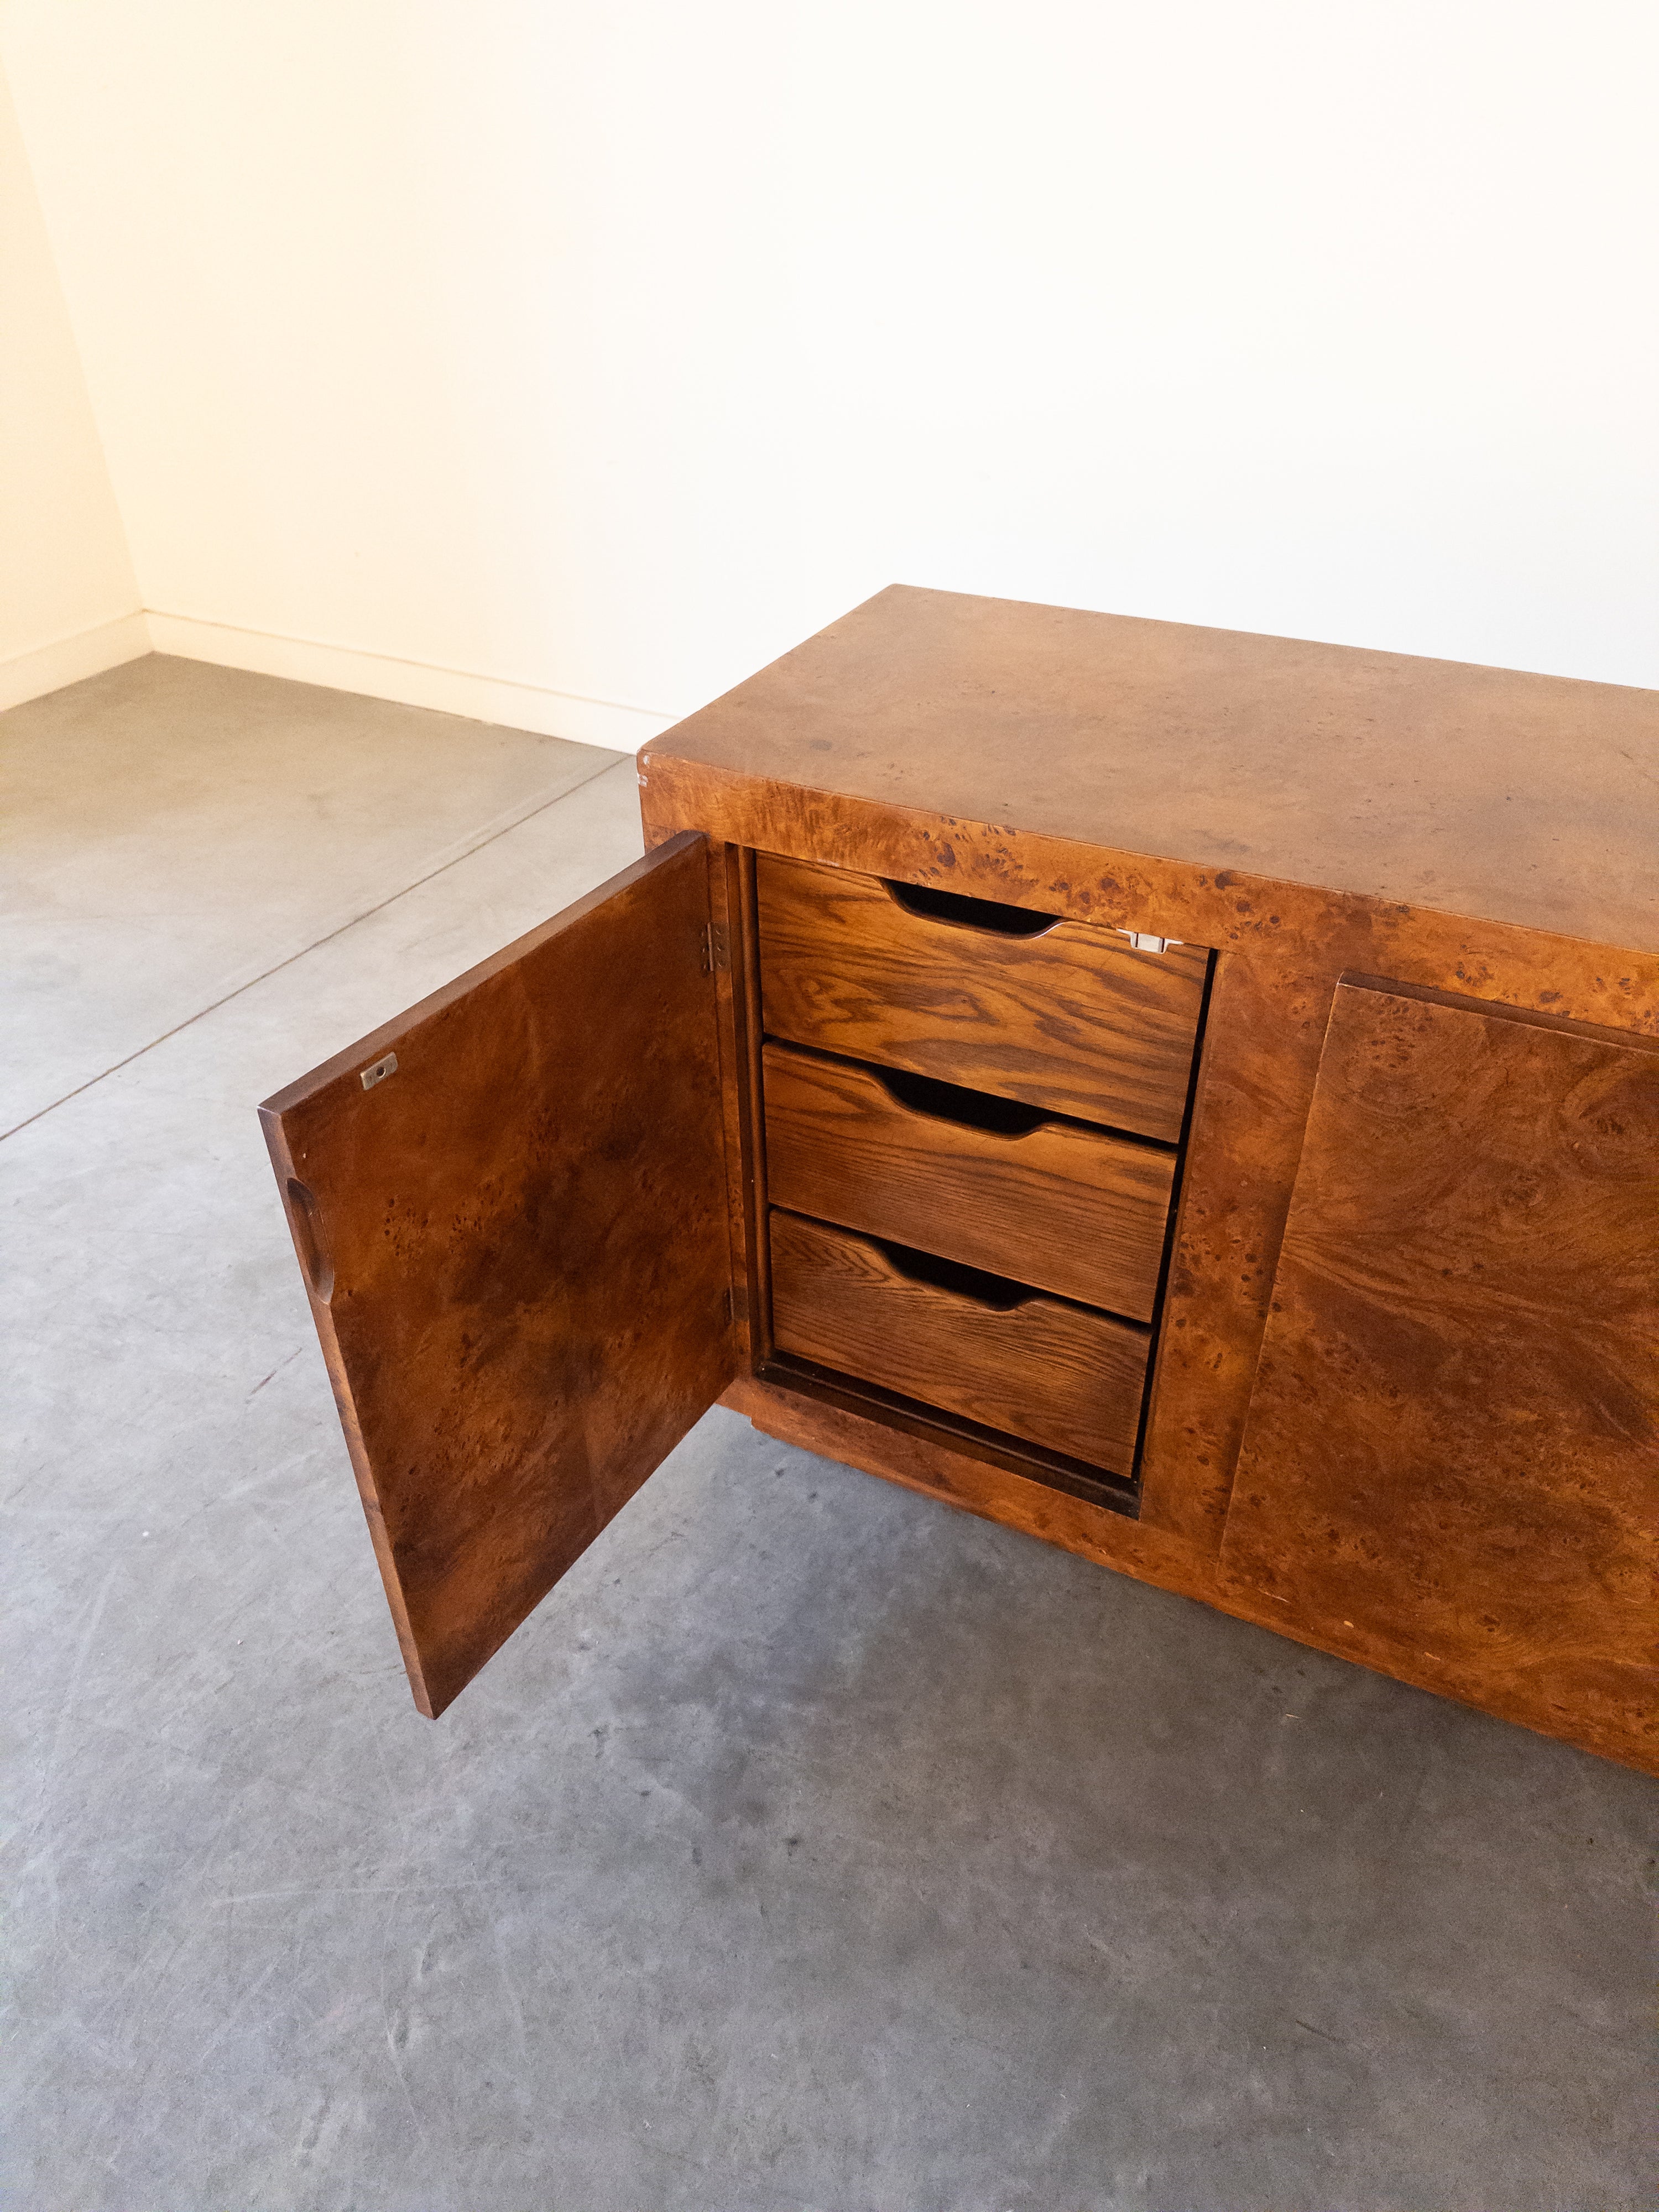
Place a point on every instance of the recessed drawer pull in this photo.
(1056, 1374)
(995, 1292)
(1058, 1014)
(968, 1109)
(1072, 1210)
(988, 914)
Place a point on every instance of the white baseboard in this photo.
(66, 660)
(410, 682)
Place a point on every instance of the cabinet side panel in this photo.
(1452, 1453)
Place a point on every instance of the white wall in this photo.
(68, 601)
(605, 348)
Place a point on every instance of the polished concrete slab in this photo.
(813, 1846)
(174, 829)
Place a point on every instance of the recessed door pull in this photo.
(1144, 943)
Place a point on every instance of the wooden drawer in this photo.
(1056, 1374)
(1069, 1017)
(1066, 1208)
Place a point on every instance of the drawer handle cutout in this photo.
(952, 1102)
(987, 916)
(996, 1291)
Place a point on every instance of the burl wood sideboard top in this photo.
(1526, 800)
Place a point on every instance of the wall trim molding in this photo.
(532, 706)
(535, 707)
(61, 660)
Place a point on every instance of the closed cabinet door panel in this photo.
(1451, 1463)
(510, 1209)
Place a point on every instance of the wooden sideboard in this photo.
(1191, 1097)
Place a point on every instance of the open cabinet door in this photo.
(510, 1210)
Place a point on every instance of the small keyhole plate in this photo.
(380, 1072)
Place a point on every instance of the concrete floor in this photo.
(813, 1846)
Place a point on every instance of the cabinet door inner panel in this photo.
(510, 1208)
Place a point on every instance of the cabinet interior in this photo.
(1104, 1471)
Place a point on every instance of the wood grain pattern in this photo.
(1281, 949)
(1067, 1208)
(937, 1427)
(518, 1252)
(1066, 1378)
(955, 1477)
(1521, 799)
(1453, 1443)
(1305, 809)
(1074, 1020)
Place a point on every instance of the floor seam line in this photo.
(327, 938)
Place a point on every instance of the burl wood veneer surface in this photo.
(1050, 1372)
(770, 784)
(1074, 1020)
(1453, 1445)
(1281, 948)
(519, 1254)
(1478, 791)
(1066, 1208)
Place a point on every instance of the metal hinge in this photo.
(737, 1306)
(1144, 943)
(716, 951)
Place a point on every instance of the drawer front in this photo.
(1072, 1019)
(1069, 1209)
(1052, 1374)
